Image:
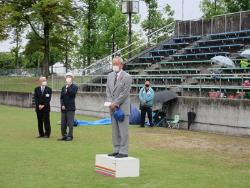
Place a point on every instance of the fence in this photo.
(199, 85)
(218, 24)
(21, 72)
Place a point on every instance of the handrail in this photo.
(230, 13)
(105, 63)
(169, 75)
(207, 28)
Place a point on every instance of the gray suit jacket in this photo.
(119, 94)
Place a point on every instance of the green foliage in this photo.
(7, 60)
(156, 19)
(212, 8)
(42, 16)
(104, 30)
(74, 32)
(88, 23)
(237, 5)
(113, 27)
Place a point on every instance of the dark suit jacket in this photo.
(43, 98)
(67, 98)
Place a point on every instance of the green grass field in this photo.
(169, 158)
(28, 84)
(19, 84)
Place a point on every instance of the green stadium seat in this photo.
(173, 71)
(186, 39)
(230, 70)
(163, 52)
(198, 55)
(224, 41)
(147, 59)
(175, 45)
(230, 34)
(217, 48)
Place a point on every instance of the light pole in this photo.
(182, 10)
(130, 7)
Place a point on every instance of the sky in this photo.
(191, 11)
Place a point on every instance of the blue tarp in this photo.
(106, 121)
(134, 119)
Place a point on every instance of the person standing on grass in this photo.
(42, 96)
(118, 94)
(68, 107)
(146, 97)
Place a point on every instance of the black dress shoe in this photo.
(112, 154)
(142, 126)
(121, 155)
(69, 139)
(46, 136)
(62, 139)
(39, 136)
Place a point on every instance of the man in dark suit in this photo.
(42, 95)
(68, 107)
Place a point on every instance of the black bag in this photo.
(191, 118)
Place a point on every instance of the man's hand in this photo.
(112, 106)
(144, 103)
(63, 108)
(41, 107)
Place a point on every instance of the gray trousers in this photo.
(120, 135)
(67, 120)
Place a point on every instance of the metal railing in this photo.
(230, 22)
(198, 85)
(104, 65)
(21, 72)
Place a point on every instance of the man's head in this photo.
(43, 81)
(69, 78)
(147, 84)
(117, 64)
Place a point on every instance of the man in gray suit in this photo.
(118, 91)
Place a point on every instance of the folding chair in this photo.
(160, 119)
(175, 123)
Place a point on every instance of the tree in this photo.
(41, 15)
(17, 41)
(113, 28)
(59, 46)
(156, 19)
(14, 23)
(89, 27)
(4, 30)
(64, 39)
(103, 30)
(6, 60)
(212, 8)
(237, 5)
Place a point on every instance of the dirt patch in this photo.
(228, 147)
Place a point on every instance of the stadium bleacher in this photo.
(244, 40)
(184, 63)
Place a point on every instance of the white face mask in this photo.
(44, 83)
(68, 80)
(116, 68)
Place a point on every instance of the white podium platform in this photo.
(117, 167)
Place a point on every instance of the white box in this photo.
(117, 167)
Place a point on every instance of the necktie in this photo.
(115, 79)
